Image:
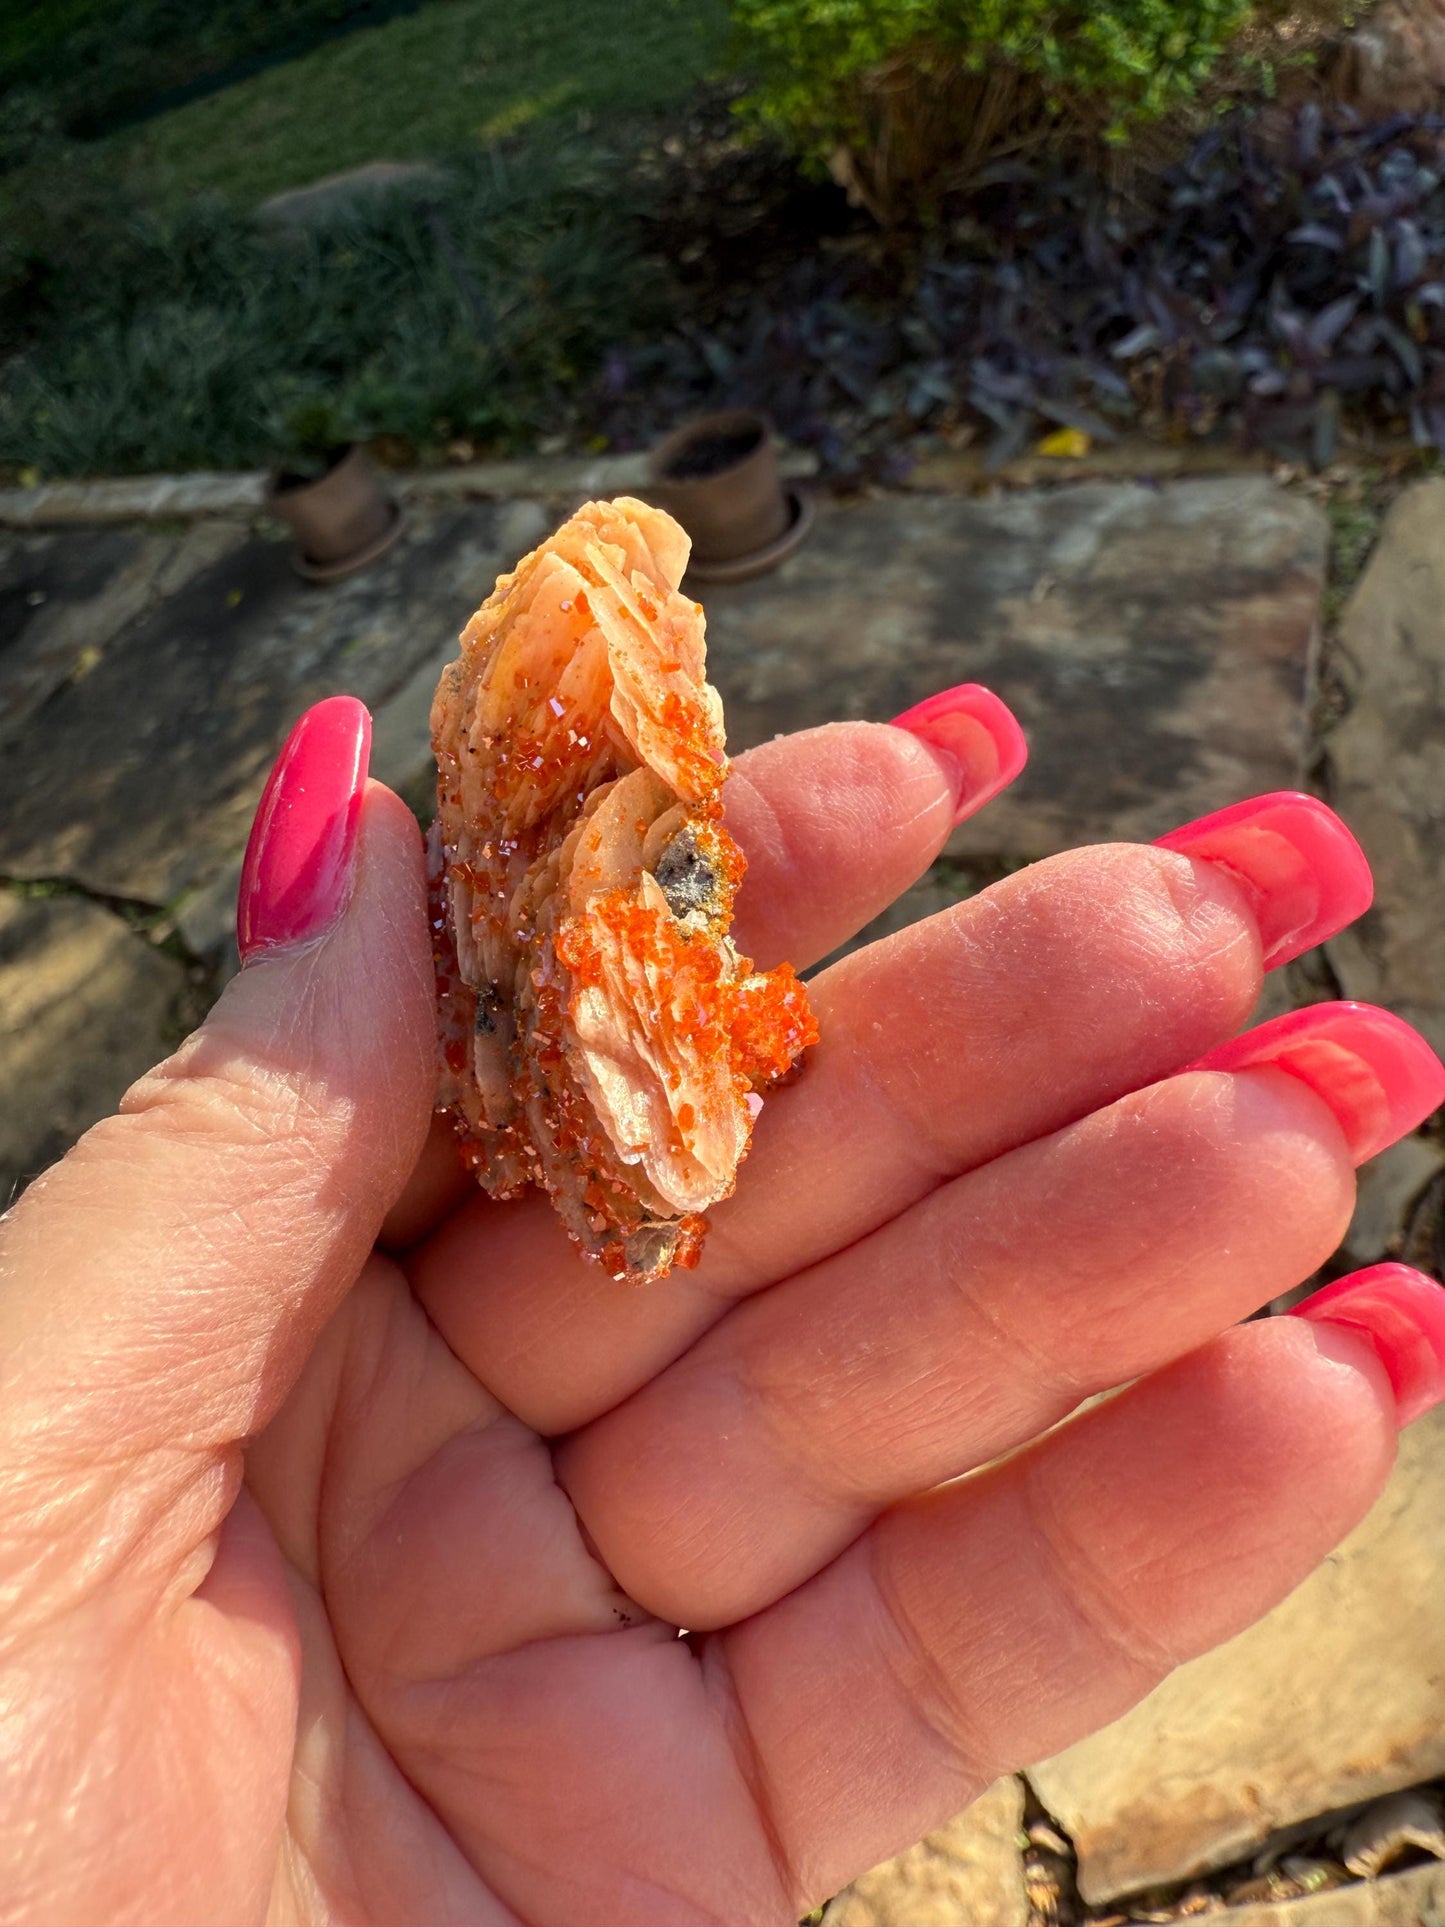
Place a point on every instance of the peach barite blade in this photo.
(600, 1034)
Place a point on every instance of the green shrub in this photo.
(902, 91)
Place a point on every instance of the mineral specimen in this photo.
(600, 1034)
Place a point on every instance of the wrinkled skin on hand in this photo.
(347, 1517)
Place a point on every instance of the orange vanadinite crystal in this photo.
(771, 1024)
(601, 1035)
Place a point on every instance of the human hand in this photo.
(340, 1585)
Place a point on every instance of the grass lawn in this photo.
(31, 27)
(450, 77)
(146, 323)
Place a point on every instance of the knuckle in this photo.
(1251, 1143)
(1150, 913)
(922, 1683)
(1095, 1608)
(1195, 919)
(204, 1099)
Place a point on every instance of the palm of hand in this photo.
(512, 1722)
(426, 1665)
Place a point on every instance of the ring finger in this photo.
(984, 1315)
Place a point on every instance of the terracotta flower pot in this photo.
(341, 520)
(719, 476)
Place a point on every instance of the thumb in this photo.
(163, 1284)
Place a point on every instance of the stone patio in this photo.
(1156, 643)
(146, 681)
(150, 670)
(86, 1005)
(1160, 644)
(1387, 762)
(1178, 620)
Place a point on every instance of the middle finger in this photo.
(1011, 1015)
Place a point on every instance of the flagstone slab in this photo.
(1386, 763)
(86, 1005)
(1413, 1899)
(137, 774)
(1338, 1696)
(1157, 643)
(968, 1874)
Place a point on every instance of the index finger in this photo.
(996, 1022)
(835, 823)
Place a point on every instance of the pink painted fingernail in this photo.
(1379, 1077)
(297, 874)
(1305, 876)
(1400, 1313)
(976, 736)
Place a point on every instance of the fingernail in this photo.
(1400, 1314)
(1379, 1077)
(1305, 876)
(297, 874)
(976, 737)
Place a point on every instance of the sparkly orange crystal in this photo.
(600, 1035)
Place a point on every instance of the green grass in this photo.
(203, 339)
(93, 64)
(34, 30)
(147, 321)
(1355, 518)
(450, 78)
(76, 69)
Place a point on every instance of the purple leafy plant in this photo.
(1283, 278)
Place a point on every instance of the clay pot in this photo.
(341, 520)
(719, 476)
